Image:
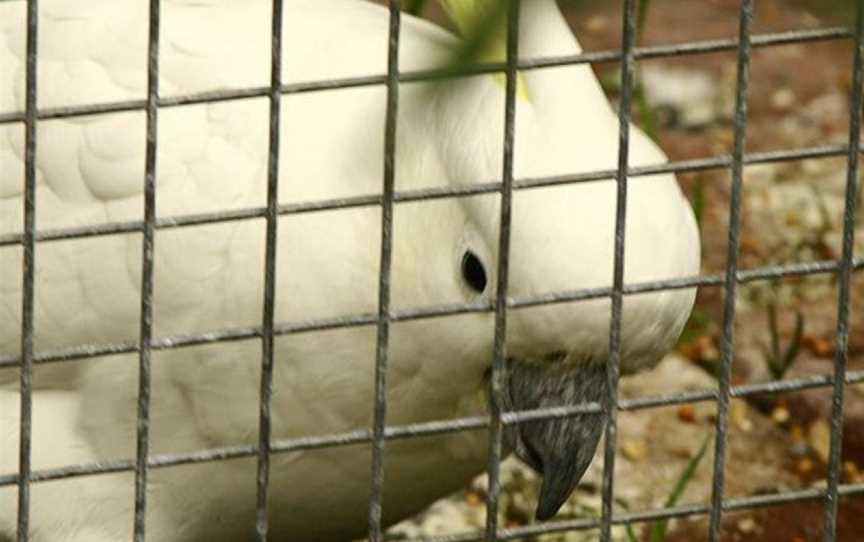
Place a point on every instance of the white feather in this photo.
(213, 157)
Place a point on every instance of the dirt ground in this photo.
(792, 213)
(799, 98)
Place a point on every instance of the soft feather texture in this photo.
(213, 157)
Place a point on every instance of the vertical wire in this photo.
(617, 298)
(269, 307)
(730, 284)
(496, 428)
(841, 355)
(147, 265)
(376, 488)
(28, 277)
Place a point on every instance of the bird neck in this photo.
(543, 30)
(555, 104)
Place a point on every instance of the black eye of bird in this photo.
(473, 272)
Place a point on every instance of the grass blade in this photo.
(658, 530)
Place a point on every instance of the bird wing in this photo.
(211, 157)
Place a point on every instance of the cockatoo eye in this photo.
(473, 272)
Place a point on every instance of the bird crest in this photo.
(482, 24)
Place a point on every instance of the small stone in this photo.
(473, 499)
(738, 415)
(851, 472)
(634, 450)
(796, 433)
(780, 415)
(805, 466)
(691, 95)
(705, 348)
(681, 452)
(798, 446)
(747, 525)
(480, 484)
(782, 99)
(798, 449)
(819, 438)
(793, 217)
(823, 348)
(687, 413)
(519, 510)
(751, 245)
(819, 346)
(597, 23)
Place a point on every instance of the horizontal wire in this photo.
(627, 518)
(597, 57)
(424, 194)
(425, 429)
(80, 352)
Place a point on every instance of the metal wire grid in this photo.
(499, 353)
(380, 432)
(28, 279)
(730, 285)
(376, 493)
(147, 266)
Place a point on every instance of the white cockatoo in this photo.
(213, 157)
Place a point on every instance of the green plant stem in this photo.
(646, 113)
(414, 7)
(659, 528)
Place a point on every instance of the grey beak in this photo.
(559, 449)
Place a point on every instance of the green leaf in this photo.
(642, 16)
(774, 360)
(482, 25)
(795, 345)
(647, 114)
(658, 530)
(699, 200)
(415, 7)
(779, 361)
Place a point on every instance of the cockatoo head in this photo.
(445, 250)
(562, 238)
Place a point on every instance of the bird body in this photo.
(213, 157)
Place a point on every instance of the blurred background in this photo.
(792, 213)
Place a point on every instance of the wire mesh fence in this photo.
(381, 432)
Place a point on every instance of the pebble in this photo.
(780, 415)
(747, 525)
(634, 450)
(692, 94)
(597, 23)
(687, 413)
(819, 438)
(782, 99)
(852, 473)
(738, 415)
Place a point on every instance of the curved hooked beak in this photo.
(559, 449)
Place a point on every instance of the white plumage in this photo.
(213, 157)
